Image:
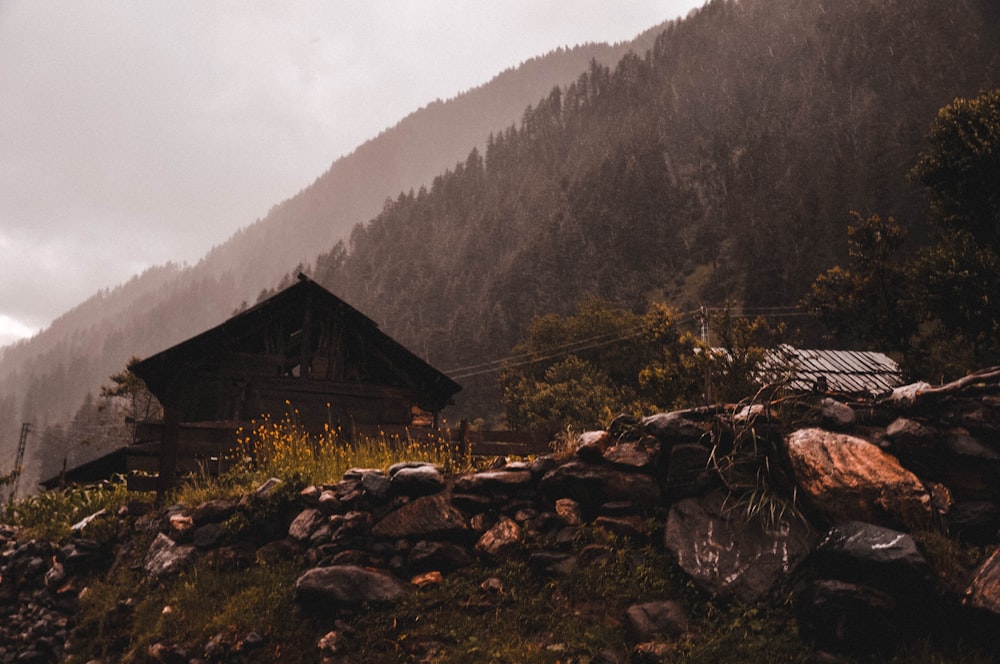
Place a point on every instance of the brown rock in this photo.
(641, 454)
(846, 478)
(499, 539)
(984, 591)
(569, 511)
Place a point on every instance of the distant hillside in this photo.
(44, 380)
(719, 166)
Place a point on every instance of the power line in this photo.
(598, 341)
(589, 343)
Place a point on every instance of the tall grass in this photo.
(283, 448)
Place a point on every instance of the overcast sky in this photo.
(136, 133)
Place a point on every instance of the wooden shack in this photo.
(303, 351)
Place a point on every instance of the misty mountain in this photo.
(45, 379)
(719, 166)
(719, 161)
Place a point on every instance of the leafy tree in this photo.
(742, 369)
(583, 370)
(571, 393)
(866, 302)
(941, 307)
(575, 370)
(961, 168)
(954, 283)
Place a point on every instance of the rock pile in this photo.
(823, 501)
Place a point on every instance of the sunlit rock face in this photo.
(846, 478)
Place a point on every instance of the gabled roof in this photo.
(293, 304)
(843, 371)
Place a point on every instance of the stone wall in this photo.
(824, 501)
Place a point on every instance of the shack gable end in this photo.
(304, 348)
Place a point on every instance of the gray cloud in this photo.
(139, 133)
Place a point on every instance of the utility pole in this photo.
(25, 430)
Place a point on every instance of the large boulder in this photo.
(348, 585)
(846, 478)
(729, 555)
(879, 556)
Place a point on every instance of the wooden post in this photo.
(463, 436)
(168, 450)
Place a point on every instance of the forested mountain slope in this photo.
(720, 165)
(44, 380)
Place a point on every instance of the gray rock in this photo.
(165, 557)
(493, 482)
(213, 511)
(416, 480)
(429, 517)
(328, 503)
(303, 525)
(673, 428)
(844, 617)
(376, 484)
(871, 554)
(348, 586)
(975, 521)
(552, 563)
(640, 454)
(836, 415)
(730, 556)
(688, 471)
(440, 556)
(267, 489)
(209, 535)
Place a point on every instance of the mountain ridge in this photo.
(44, 379)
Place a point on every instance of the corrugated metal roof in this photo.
(845, 371)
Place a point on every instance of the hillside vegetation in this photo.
(719, 162)
(721, 165)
